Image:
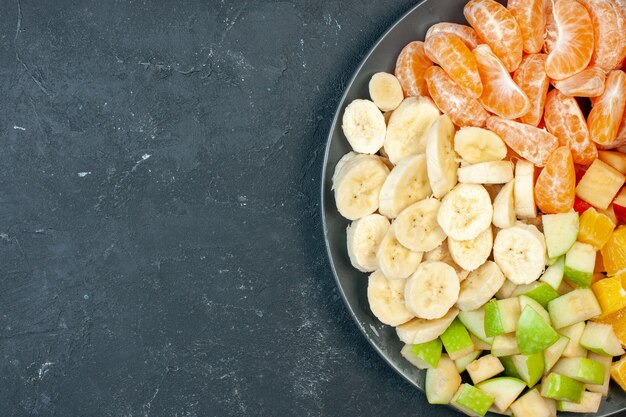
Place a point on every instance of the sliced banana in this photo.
(364, 126)
(386, 299)
(470, 254)
(422, 330)
(525, 207)
(493, 172)
(394, 259)
(364, 236)
(465, 212)
(504, 207)
(476, 145)
(520, 251)
(417, 228)
(442, 253)
(480, 286)
(385, 91)
(407, 127)
(432, 290)
(440, 156)
(406, 184)
(357, 182)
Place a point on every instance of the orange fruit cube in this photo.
(614, 252)
(611, 294)
(618, 372)
(599, 185)
(595, 228)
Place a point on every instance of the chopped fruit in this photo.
(621, 134)
(574, 41)
(529, 142)
(471, 400)
(600, 184)
(442, 382)
(423, 355)
(561, 387)
(457, 340)
(411, 67)
(484, 368)
(616, 159)
(531, 404)
(453, 100)
(614, 252)
(611, 294)
(619, 206)
(497, 27)
(581, 369)
(533, 333)
(618, 372)
(600, 338)
(504, 345)
(532, 79)
(574, 333)
(560, 231)
(541, 292)
(463, 361)
(607, 112)
(565, 120)
(595, 228)
(504, 390)
(575, 306)
(474, 321)
(587, 83)
(599, 264)
(466, 33)
(610, 213)
(581, 205)
(555, 186)
(617, 319)
(529, 367)
(531, 16)
(580, 262)
(589, 403)
(456, 59)
(501, 316)
(552, 354)
(603, 388)
(609, 36)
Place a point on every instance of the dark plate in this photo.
(352, 283)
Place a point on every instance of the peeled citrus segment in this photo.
(466, 33)
(497, 27)
(556, 185)
(587, 83)
(453, 100)
(565, 120)
(595, 228)
(411, 65)
(620, 138)
(609, 35)
(532, 78)
(572, 50)
(531, 16)
(529, 142)
(551, 31)
(608, 110)
(614, 252)
(500, 94)
(610, 293)
(456, 59)
(618, 372)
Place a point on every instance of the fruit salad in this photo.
(485, 189)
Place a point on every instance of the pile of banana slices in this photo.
(442, 218)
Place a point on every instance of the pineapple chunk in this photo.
(616, 159)
(600, 184)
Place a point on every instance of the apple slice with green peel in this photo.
(581, 369)
(580, 262)
(501, 316)
(534, 334)
(504, 390)
(574, 333)
(573, 307)
(606, 361)
(553, 275)
(527, 301)
(484, 368)
(590, 403)
(552, 261)
(509, 367)
(552, 354)
(531, 404)
(457, 340)
(600, 338)
(424, 355)
(565, 288)
(504, 345)
(562, 388)
(474, 321)
(463, 361)
(560, 231)
(442, 381)
(506, 289)
(541, 292)
(529, 367)
(472, 401)
(479, 344)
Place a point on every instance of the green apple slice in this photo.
(504, 390)
(527, 301)
(573, 307)
(600, 338)
(493, 321)
(534, 334)
(541, 292)
(506, 289)
(531, 404)
(560, 231)
(553, 275)
(590, 403)
(442, 381)
(423, 355)
(574, 333)
(606, 361)
(484, 368)
(462, 362)
(562, 388)
(509, 367)
(529, 367)
(501, 316)
(581, 369)
(457, 340)
(552, 354)
(474, 321)
(580, 262)
(504, 345)
(472, 400)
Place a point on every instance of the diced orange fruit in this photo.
(618, 372)
(573, 48)
(609, 36)
(466, 33)
(595, 228)
(587, 83)
(555, 186)
(600, 184)
(532, 79)
(497, 27)
(614, 252)
(607, 112)
(411, 66)
(531, 16)
(611, 294)
(616, 159)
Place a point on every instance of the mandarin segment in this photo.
(595, 228)
(587, 83)
(531, 17)
(532, 78)
(608, 111)
(618, 370)
(609, 34)
(551, 31)
(614, 252)
(466, 33)
(611, 295)
(411, 65)
(555, 186)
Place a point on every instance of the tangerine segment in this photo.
(531, 17)
(618, 369)
(556, 185)
(620, 138)
(456, 59)
(610, 294)
(574, 42)
(595, 228)
(608, 110)
(565, 120)
(500, 93)
(497, 27)
(411, 66)
(614, 252)
(587, 83)
(467, 34)
(532, 79)
(608, 31)
(551, 31)
(529, 142)
(453, 100)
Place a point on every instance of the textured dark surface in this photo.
(161, 251)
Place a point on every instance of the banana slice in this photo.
(520, 251)
(421, 330)
(407, 127)
(406, 184)
(357, 182)
(504, 207)
(417, 228)
(440, 157)
(465, 212)
(493, 172)
(476, 145)
(364, 126)
(364, 237)
(386, 299)
(470, 254)
(385, 91)
(394, 259)
(442, 253)
(480, 286)
(432, 290)
(525, 207)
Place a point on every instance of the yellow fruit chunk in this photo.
(616, 159)
(614, 252)
(610, 293)
(600, 184)
(595, 228)
(618, 372)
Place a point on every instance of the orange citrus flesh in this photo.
(608, 111)
(556, 185)
(551, 31)
(608, 33)
(614, 252)
(618, 372)
(611, 295)
(532, 78)
(531, 16)
(411, 65)
(587, 83)
(466, 33)
(595, 228)
(620, 137)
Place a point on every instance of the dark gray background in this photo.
(161, 251)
